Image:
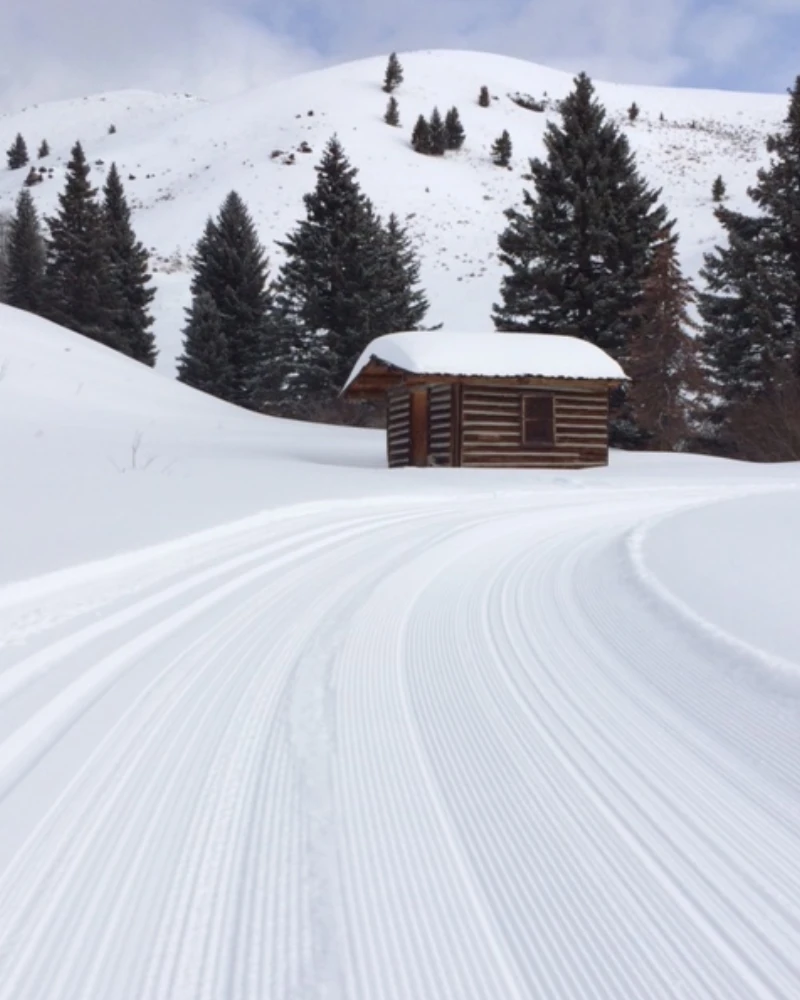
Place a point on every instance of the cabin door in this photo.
(419, 427)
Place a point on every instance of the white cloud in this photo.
(51, 48)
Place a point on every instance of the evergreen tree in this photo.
(747, 327)
(44, 149)
(751, 304)
(662, 358)
(437, 133)
(392, 114)
(205, 362)
(502, 150)
(403, 304)
(633, 112)
(578, 253)
(484, 100)
(453, 130)
(24, 283)
(421, 136)
(718, 189)
(332, 287)
(394, 74)
(6, 221)
(230, 264)
(130, 267)
(81, 291)
(17, 153)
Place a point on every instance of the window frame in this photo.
(533, 443)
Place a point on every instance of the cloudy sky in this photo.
(52, 48)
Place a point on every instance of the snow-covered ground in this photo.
(179, 157)
(276, 721)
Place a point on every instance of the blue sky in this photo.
(51, 48)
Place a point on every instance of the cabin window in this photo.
(538, 421)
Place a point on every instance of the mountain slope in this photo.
(179, 157)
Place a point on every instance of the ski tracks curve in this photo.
(423, 750)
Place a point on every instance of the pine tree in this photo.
(44, 149)
(230, 264)
(453, 130)
(747, 326)
(421, 136)
(403, 304)
(484, 99)
(6, 221)
(332, 286)
(437, 133)
(392, 114)
(81, 291)
(662, 359)
(750, 306)
(25, 283)
(394, 74)
(578, 252)
(17, 154)
(502, 150)
(718, 189)
(205, 362)
(130, 267)
(633, 112)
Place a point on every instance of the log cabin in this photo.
(514, 400)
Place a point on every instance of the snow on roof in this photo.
(493, 355)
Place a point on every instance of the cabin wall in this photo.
(440, 424)
(491, 427)
(398, 428)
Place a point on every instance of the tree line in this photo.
(592, 252)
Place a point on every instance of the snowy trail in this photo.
(404, 750)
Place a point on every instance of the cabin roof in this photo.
(491, 355)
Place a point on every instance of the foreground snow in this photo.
(428, 734)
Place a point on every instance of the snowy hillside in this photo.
(179, 157)
(418, 734)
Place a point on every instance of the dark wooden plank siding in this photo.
(398, 428)
(491, 428)
(440, 425)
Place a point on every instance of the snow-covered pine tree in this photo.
(25, 259)
(17, 154)
(633, 112)
(205, 363)
(502, 150)
(81, 291)
(662, 358)
(484, 99)
(421, 136)
(437, 132)
(718, 189)
(578, 251)
(394, 74)
(44, 149)
(230, 264)
(392, 113)
(332, 286)
(453, 130)
(130, 267)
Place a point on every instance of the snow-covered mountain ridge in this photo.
(179, 156)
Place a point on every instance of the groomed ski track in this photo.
(399, 750)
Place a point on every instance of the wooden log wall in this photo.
(440, 424)
(398, 428)
(491, 428)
